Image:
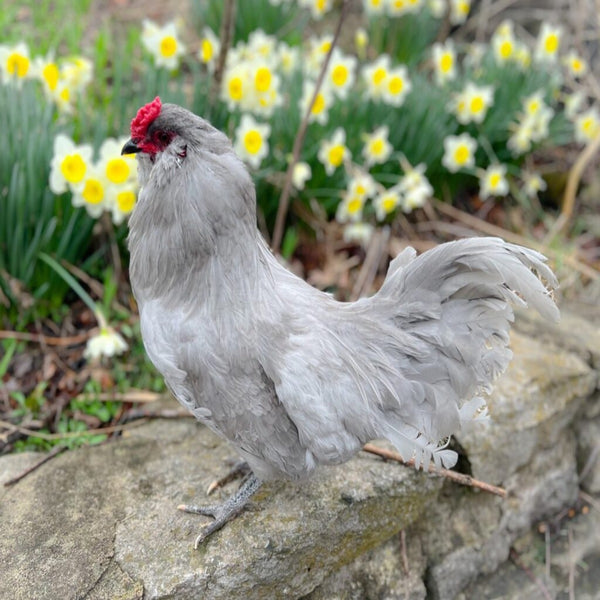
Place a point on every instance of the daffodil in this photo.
(361, 185)
(573, 103)
(319, 111)
(398, 8)
(15, 63)
(261, 46)
(386, 203)
(236, 85)
(377, 148)
(64, 97)
(376, 76)
(374, 7)
(119, 179)
(444, 61)
(341, 73)
(318, 47)
(93, 193)
(77, 73)
(288, 58)
(521, 139)
(121, 201)
(459, 11)
(301, 174)
(358, 232)
(493, 182)
(264, 94)
(537, 115)
(118, 169)
(163, 43)
(533, 124)
(532, 184)
(397, 86)
(414, 186)
(576, 65)
(46, 69)
(106, 343)
(210, 47)
(333, 152)
(437, 8)
(472, 103)
(252, 140)
(350, 209)
(587, 125)
(504, 42)
(317, 8)
(361, 41)
(70, 164)
(459, 152)
(548, 43)
(522, 55)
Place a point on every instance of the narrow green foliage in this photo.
(32, 219)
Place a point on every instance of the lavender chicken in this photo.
(292, 378)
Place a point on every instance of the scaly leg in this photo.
(222, 513)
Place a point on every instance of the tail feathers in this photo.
(456, 300)
(412, 445)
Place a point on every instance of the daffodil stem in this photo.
(284, 200)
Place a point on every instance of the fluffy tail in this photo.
(455, 302)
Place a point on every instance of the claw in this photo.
(225, 512)
(240, 469)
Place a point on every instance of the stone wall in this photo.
(101, 522)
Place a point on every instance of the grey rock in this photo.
(588, 452)
(538, 490)
(393, 571)
(13, 465)
(530, 407)
(510, 582)
(574, 334)
(101, 522)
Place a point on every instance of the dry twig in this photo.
(38, 338)
(460, 478)
(368, 271)
(490, 229)
(134, 396)
(54, 452)
(225, 35)
(573, 180)
(69, 434)
(299, 139)
(515, 558)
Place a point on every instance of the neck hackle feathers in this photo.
(144, 117)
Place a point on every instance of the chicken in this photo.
(292, 378)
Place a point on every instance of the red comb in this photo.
(144, 117)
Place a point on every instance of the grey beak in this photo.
(130, 147)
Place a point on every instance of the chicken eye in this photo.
(164, 137)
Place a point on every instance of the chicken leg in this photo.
(226, 511)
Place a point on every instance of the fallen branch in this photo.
(38, 338)
(575, 174)
(225, 37)
(515, 238)
(54, 452)
(460, 478)
(284, 200)
(134, 396)
(516, 560)
(69, 434)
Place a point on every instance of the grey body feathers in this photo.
(291, 377)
